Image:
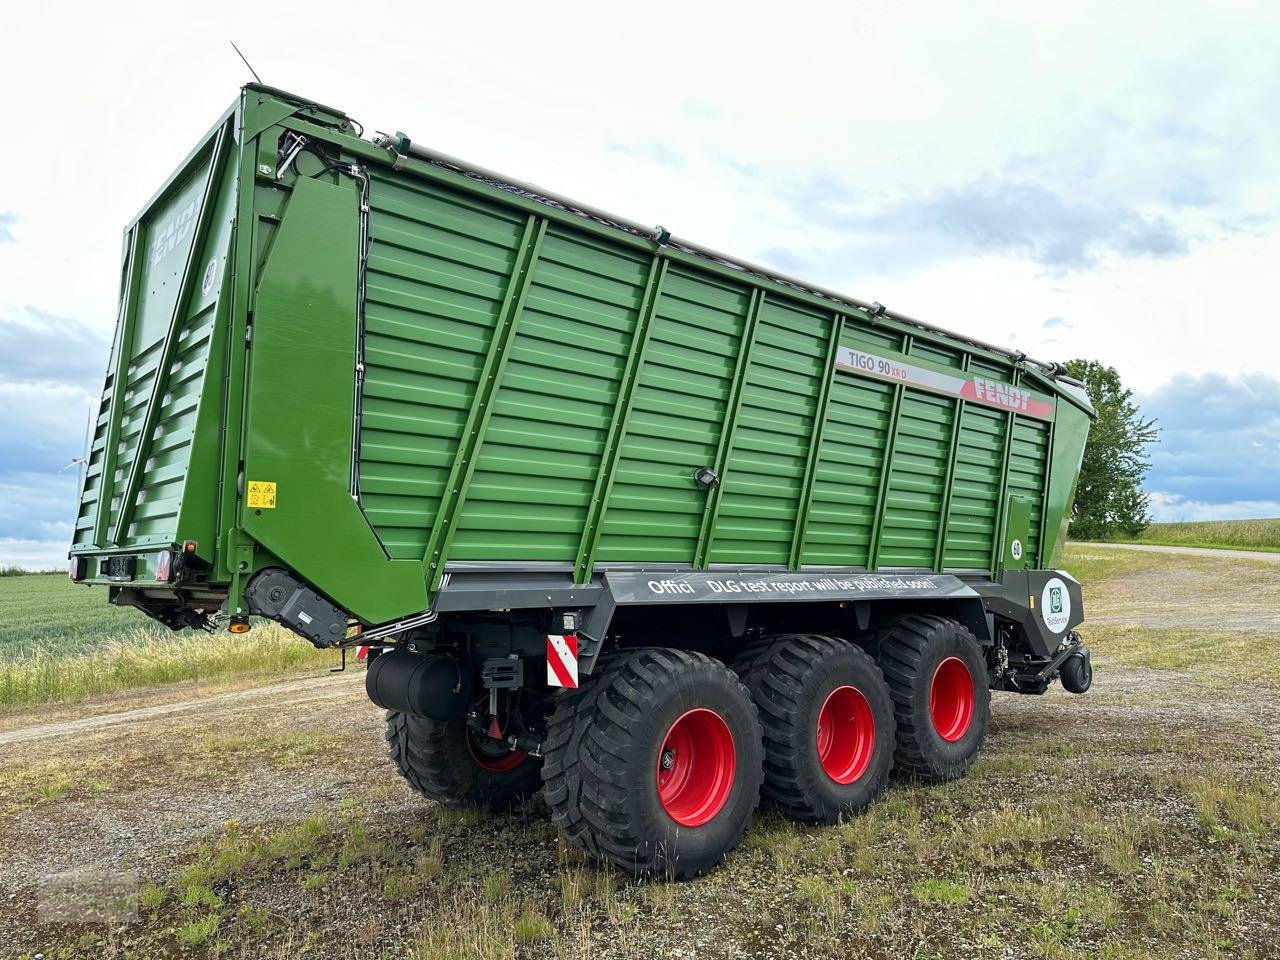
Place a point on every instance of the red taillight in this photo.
(76, 568)
(164, 566)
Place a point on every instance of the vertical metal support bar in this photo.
(244, 235)
(125, 326)
(618, 426)
(455, 493)
(172, 336)
(712, 509)
(1041, 560)
(944, 520)
(815, 443)
(886, 468)
(1002, 496)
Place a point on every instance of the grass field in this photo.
(1225, 534)
(62, 642)
(49, 613)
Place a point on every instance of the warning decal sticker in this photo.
(262, 494)
(978, 389)
(562, 660)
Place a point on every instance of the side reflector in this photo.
(562, 660)
(239, 626)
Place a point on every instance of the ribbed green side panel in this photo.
(160, 493)
(941, 355)
(766, 468)
(439, 266)
(848, 473)
(1001, 374)
(975, 493)
(91, 490)
(655, 510)
(1027, 463)
(869, 338)
(168, 231)
(913, 502)
(536, 470)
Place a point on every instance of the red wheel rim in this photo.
(846, 734)
(489, 754)
(695, 767)
(951, 699)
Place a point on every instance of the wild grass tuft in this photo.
(142, 659)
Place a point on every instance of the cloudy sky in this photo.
(1104, 183)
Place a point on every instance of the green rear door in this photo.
(169, 337)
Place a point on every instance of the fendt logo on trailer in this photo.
(978, 389)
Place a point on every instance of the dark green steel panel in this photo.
(439, 272)
(301, 411)
(847, 476)
(943, 356)
(1028, 463)
(913, 499)
(724, 447)
(975, 495)
(765, 475)
(160, 367)
(536, 470)
(815, 444)
(98, 489)
(161, 421)
(1070, 432)
(623, 410)
(656, 511)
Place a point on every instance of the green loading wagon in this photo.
(608, 511)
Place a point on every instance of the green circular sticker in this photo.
(1055, 605)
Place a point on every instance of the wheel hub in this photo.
(696, 766)
(951, 699)
(846, 734)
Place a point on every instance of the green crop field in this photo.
(63, 642)
(1227, 534)
(49, 613)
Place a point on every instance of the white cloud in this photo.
(1170, 508)
(33, 554)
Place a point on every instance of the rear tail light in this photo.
(164, 566)
(76, 568)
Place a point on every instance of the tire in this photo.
(655, 764)
(828, 726)
(937, 676)
(562, 749)
(446, 762)
(1077, 671)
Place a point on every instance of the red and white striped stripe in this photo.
(562, 660)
